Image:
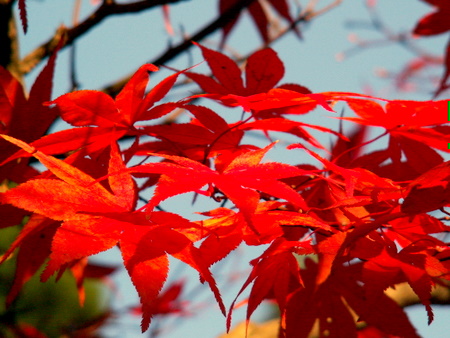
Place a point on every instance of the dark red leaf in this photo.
(434, 23)
(224, 70)
(263, 71)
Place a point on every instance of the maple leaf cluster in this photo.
(338, 233)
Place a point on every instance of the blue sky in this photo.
(121, 44)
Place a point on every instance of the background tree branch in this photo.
(173, 52)
(9, 49)
(106, 9)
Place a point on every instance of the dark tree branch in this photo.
(173, 52)
(219, 23)
(107, 9)
(9, 50)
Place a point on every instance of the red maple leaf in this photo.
(263, 71)
(430, 191)
(96, 219)
(67, 198)
(227, 229)
(145, 249)
(102, 118)
(414, 229)
(238, 179)
(391, 267)
(22, 118)
(26, 119)
(414, 128)
(275, 274)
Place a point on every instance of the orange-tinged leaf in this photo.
(80, 238)
(88, 107)
(247, 159)
(121, 182)
(90, 139)
(56, 199)
(328, 250)
(66, 172)
(147, 266)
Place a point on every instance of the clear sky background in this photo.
(119, 45)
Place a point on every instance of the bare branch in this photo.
(9, 55)
(220, 22)
(105, 10)
(173, 52)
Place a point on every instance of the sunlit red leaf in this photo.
(143, 260)
(239, 180)
(144, 251)
(89, 107)
(64, 200)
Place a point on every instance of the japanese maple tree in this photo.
(340, 228)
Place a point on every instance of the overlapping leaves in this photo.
(346, 212)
